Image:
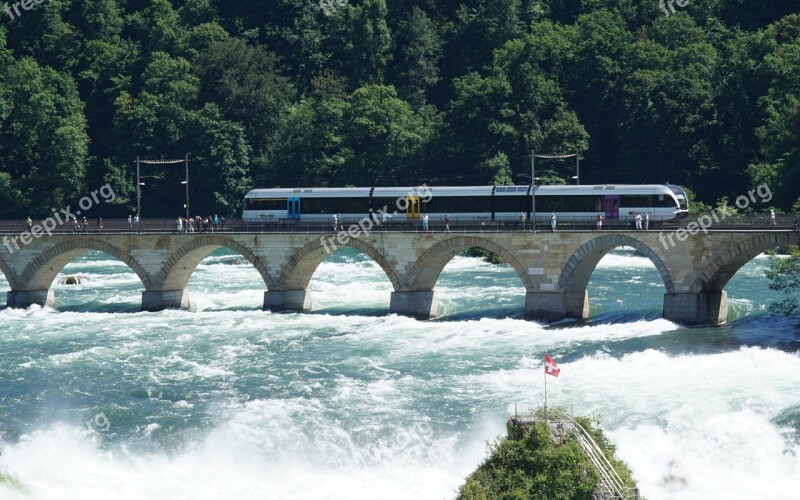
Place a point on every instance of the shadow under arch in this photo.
(425, 272)
(728, 262)
(8, 274)
(176, 272)
(578, 270)
(42, 271)
(297, 273)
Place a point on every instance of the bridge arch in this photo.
(8, 273)
(298, 271)
(425, 272)
(180, 266)
(42, 271)
(727, 263)
(578, 270)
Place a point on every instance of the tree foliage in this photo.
(280, 93)
(529, 464)
(784, 276)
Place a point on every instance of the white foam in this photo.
(694, 426)
(361, 392)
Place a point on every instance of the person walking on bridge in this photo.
(553, 222)
(599, 222)
(772, 216)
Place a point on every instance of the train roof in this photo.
(606, 188)
(309, 192)
(384, 192)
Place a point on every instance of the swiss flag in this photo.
(550, 366)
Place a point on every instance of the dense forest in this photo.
(702, 93)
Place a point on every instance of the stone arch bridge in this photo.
(554, 268)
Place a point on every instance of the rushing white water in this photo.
(226, 401)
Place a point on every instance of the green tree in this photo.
(419, 49)
(220, 163)
(246, 84)
(779, 135)
(365, 42)
(43, 139)
(784, 276)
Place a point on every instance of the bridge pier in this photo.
(287, 300)
(555, 306)
(706, 308)
(421, 304)
(23, 299)
(154, 301)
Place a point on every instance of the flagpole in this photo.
(545, 391)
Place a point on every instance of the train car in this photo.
(613, 202)
(470, 203)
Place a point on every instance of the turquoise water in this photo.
(98, 400)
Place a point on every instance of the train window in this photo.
(458, 204)
(636, 201)
(265, 204)
(335, 205)
(510, 204)
(647, 201)
(569, 203)
(389, 205)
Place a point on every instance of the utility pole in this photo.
(187, 191)
(161, 162)
(138, 198)
(533, 188)
(551, 157)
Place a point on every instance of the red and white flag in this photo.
(550, 366)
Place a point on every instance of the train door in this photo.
(412, 211)
(612, 207)
(293, 208)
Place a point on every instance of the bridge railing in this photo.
(325, 225)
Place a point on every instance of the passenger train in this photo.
(476, 203)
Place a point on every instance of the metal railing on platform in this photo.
(611, 484)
